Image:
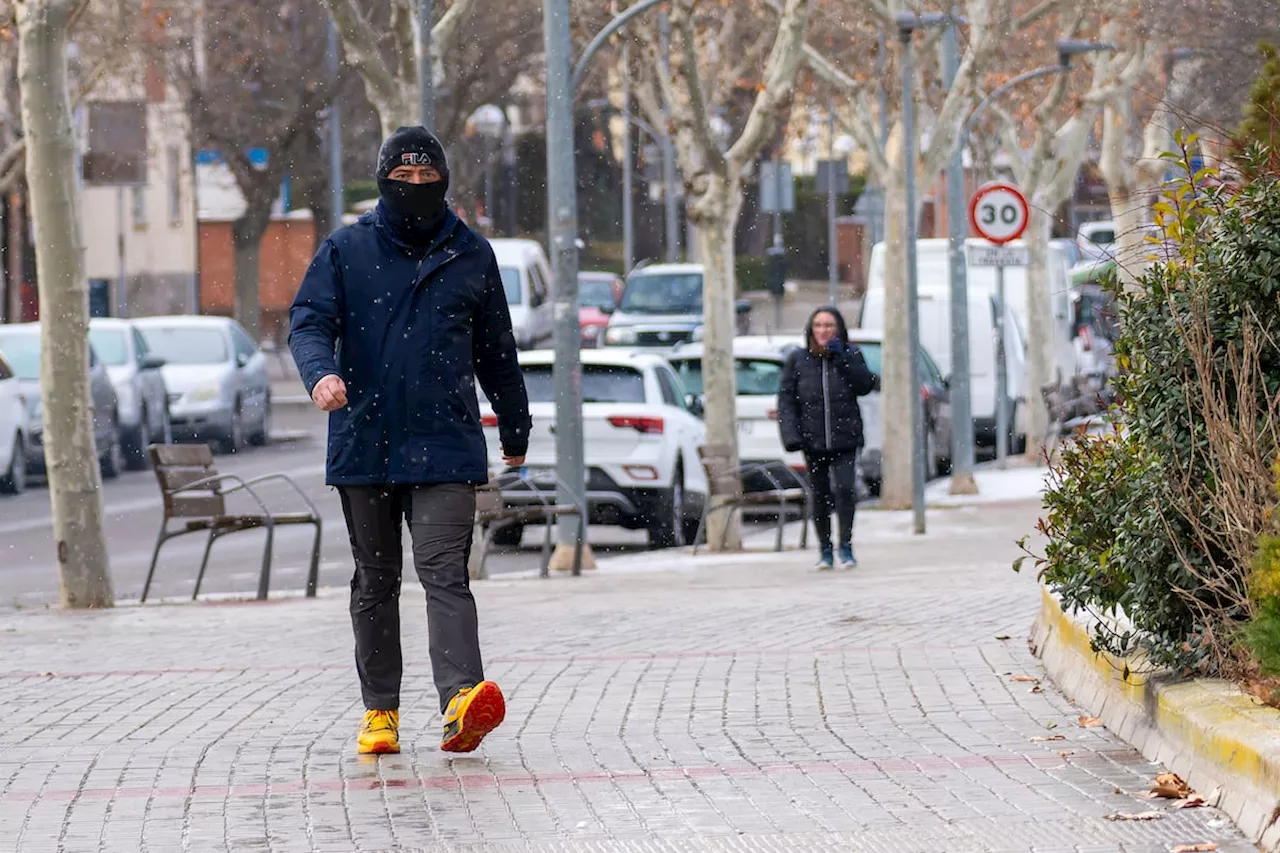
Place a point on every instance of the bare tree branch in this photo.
(779, 81)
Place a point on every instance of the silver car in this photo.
(20, 344)
(140, 389)
(217, 379)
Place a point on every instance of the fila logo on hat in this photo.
(415, 158)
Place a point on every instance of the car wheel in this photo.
(14, 481)
(234, 439)
(262, 436)
(666, 524)
(510, 536)
(112, 462)
(135, 445)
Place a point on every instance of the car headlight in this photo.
(203, 394)
(696, 334)
(620, 336)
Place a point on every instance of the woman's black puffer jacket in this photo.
(818, 399)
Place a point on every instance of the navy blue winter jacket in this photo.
(409, 331)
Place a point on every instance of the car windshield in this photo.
(111, 346)
(663, 293)
(511, 284)
(595, 293)
(601, 383)
(186, 344)
(756, 377)
(22, 351)
(871, 355)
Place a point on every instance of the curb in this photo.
(1222, 741)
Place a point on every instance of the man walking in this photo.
(396, 317)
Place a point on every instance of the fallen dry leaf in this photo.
(1025, 678)
(1066, 753)
(1171, 787)
(1192, 802)
(1036, 689)
(1047, 738)
(1117, 790)
(1090, 722)
(1138, 816)
(1202, 847)
(1002, 636)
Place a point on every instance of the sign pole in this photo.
(1002, 376)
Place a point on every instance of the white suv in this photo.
(640, 439)
(13, 428)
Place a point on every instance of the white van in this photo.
(935, 338)
(526, 278)
(933, 266)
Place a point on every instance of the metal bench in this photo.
(726, 485)
(195, 495)
(493, 514)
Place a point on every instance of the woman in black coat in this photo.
(818, 413)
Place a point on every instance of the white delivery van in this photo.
(526, 278)
(935, 338)
(934, 277)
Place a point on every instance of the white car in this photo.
(641, 443)
(758, 364)
(526, 280)
(13, 432)
(217, 379)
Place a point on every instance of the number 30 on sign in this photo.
(999, 213)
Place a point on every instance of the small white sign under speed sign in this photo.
(999, 213)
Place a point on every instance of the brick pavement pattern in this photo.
(740, 703)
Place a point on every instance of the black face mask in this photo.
(423, 203)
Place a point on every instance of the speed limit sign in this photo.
(999, 212)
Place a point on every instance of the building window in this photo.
(174, 157)
(140, 206)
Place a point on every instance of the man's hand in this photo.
(330, 393)
(512, 461)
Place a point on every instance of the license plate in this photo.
(745, 427)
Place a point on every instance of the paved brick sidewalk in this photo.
(660, 704)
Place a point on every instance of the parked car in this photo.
(526, 278)
(13, 432)
(758, 371)
(140, 390)
(598, 295)
(20, 346)
(217, 379)
(641, 444)
(661, 306)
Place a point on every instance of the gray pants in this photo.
(440, 521)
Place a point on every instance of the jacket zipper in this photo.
(826, 402)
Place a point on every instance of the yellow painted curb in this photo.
(1220, 739)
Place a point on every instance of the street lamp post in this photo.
(908, 23)
(422, 55)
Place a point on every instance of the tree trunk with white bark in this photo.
(895, 380)
(84, 579)
(716, 216)
(1041, 339)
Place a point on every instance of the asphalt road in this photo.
(133, 513)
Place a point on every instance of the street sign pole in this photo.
(999, 213)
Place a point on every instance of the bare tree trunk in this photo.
(74, 477)
(246, 241)
(896, 456)
(716, 216)
(1040, 330)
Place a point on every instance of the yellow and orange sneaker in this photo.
(472, 714)
(379, 734)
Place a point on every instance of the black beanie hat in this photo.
(412, 146)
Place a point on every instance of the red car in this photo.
(598, 295)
